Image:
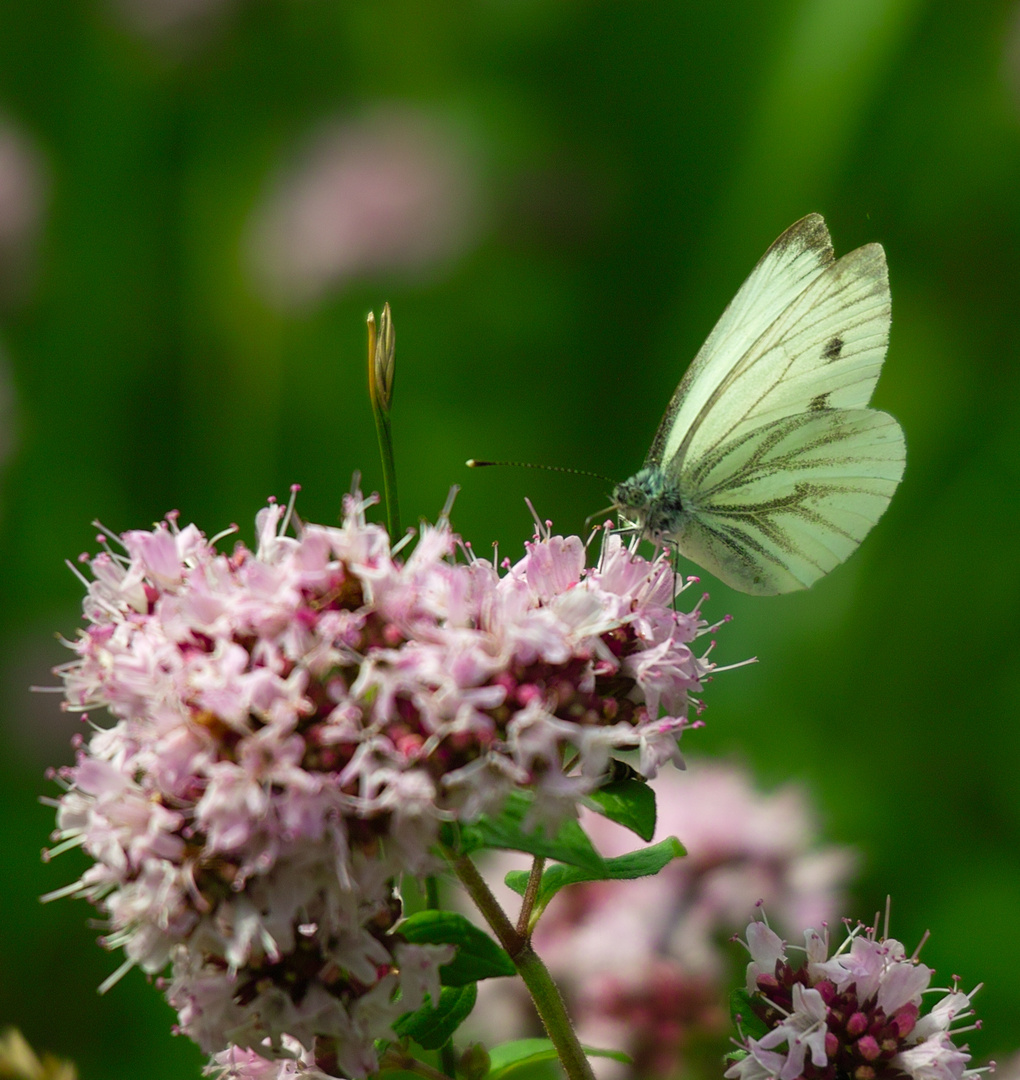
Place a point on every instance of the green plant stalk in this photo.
(380, 392)
(432, 893)
(548, 1002)
(382, 428)
(448, 1058)
(525, 921)
(447, 1054)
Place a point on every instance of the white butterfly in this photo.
(768, 468)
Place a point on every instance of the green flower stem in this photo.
(447, 1055)
(382, 427)
(432, 893)
(553, 1014)
(448, 1058)
(548, 1002)
(524, 923)
(486, 903)
(380, 387)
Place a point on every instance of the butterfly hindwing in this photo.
(776, 508)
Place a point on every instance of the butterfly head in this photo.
(650, 502)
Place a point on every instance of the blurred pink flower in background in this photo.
(644, 964)
(171, 21)
(22, 197)
(394, 192)
(1008, 1069)
(23, 187)
(23, 184)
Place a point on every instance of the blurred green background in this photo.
(203, 199)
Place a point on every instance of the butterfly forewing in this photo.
(774, 509)
(782, 274)
(823, 349)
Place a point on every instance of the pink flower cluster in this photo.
(857, 1014)
(291, 725)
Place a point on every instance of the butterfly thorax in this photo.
(651, 501)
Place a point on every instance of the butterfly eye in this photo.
(665, 515)
(630, 496)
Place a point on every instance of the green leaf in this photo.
(515, 1055)
(630, 803)
(478, 956)
(742, 1006)
(432, 1027)
(643, 863)
(569, 844)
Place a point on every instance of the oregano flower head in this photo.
(292, 724)
(856, 1014)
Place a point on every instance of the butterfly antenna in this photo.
(474, 463)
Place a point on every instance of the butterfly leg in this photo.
(674, 563)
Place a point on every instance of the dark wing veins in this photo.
(754, 466)
(833, 351)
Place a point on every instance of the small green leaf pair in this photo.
(630, 803)
(635, 864)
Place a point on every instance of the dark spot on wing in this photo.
(833, 349)
(818, 403)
